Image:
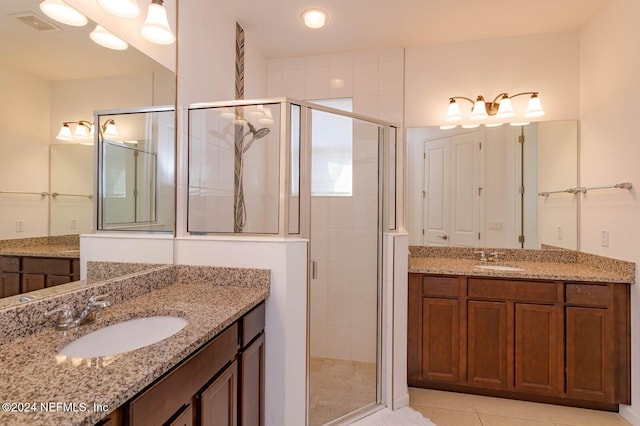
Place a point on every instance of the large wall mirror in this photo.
(485, 187)
(51, 73)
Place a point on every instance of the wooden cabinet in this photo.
(547, 341)
(222, 384)
(219, 402)
(538, 348)
(490, 350)
(22, 274)
(9, 284)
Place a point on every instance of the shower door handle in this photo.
(314, 270)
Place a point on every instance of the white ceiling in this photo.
(276, 27)
(66, 54)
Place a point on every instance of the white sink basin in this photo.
(124, 336)
(498, 267)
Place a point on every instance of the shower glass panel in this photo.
(234, 176)
(136, 163)
(295, 169)
(345, 249)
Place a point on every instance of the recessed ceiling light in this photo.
(314, 18)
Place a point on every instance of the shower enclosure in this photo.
(294, 169)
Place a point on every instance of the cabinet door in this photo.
(252, 384)
(9, 284)
(490, 349)
(31, 282)
(219, 402)
(185, 418)
(588, 354)
(538, 348)
(53, 280)
(440, 359)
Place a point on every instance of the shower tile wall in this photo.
(373, 78)
(343, 231)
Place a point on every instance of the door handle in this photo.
(314, 270)
(444, 237)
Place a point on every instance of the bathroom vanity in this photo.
(31, 264)
(214, 366)
(552, 331)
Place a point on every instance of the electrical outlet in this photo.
(559, 232)
(73, 224)
(19, 225)
(604, 238)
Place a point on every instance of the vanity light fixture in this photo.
(156, 27)
(62, 12)
(83, 130)
(107, 39)
(500, 107)
(314, 18)
(121, 8)
(109, 129)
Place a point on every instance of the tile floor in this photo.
(457, 409)
(338, 387)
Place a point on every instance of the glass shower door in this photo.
(345, 242)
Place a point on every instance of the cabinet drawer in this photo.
(45, 266)
(75, 267)
(588, 294)
(252, 324)
(440, 286)
(523, 291)
(9, 264)
(160, 402)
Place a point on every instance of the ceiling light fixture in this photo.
(122, 8)
(500, 107)
(107, 39)
(156, 27)
(83, 130)
(62, 12)
(314, 18)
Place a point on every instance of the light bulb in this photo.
(505, 110)
(122, 8)
(534, 108)
(314, 18)
(106, 39)
(156, 26)
(454, 114)
(479, 111)
(62, 12)
(81, 132)
(65, 133)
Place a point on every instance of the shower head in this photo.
(257, 133)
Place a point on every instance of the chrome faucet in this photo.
(493, 256)
(483, 256)
(65, 318)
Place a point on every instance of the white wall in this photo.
(286, 312)
(546, 63)
(609, 148)
(557, 149)
(24, 144)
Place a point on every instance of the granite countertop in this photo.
(44, 250)
(63, 246)
(564, 265)
(33, 371)
(532, 270)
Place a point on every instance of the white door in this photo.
(436, 193)
(466, 192)
(452, 191)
